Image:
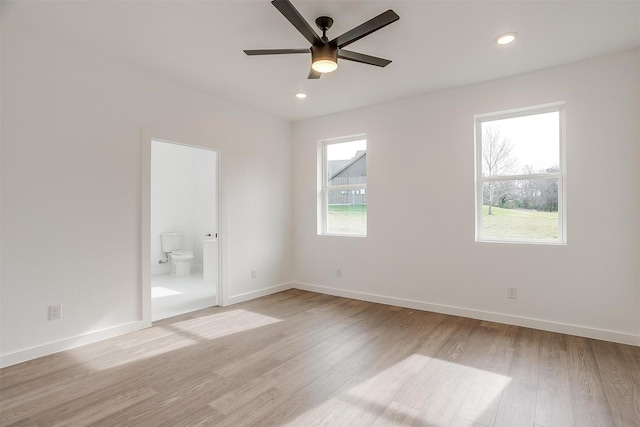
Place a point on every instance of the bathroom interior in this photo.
(184, 229)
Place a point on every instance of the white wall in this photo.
(71, 190)
(71, 198)
(420, 250)
(183, 195)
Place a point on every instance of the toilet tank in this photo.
(170, 241)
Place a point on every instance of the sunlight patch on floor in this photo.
(159, 292)
(174, 336)
(226, 323)
(418, 390)
(169, 342)
(441, 392)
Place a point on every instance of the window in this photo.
(520, 176)
(342, 186)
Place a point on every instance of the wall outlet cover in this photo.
(55, 312)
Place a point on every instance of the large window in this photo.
(343, 186)
(520, 176)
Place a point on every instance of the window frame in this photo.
(478, 119)
(324, 187)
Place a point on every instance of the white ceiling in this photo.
(435, 44)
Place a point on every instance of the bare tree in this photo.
(539, 193)
(496, 160)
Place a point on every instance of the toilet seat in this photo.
(182, 253)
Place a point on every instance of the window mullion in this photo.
(347, 187)
(550, 175)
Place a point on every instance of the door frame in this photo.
(145, 210)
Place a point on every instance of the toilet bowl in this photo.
(181, 262)
(171, 244)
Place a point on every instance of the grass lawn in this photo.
(502, 224)
(519, 223)
(347, 219)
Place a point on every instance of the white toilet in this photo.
(181, 260)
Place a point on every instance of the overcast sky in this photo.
(535, 139)
(345, 150)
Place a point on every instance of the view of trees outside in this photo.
(346, 188)
(520, 169)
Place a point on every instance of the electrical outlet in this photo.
(253, 274)
(55, 312)
(339, 272)
(511, 293)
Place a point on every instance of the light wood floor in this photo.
(301, 358)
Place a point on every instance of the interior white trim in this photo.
(545, 325)
(147, 137)
(69, 343)
(260, 293)
(478, 120)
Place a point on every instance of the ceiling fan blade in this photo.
(313, 74)
(275, 51)
(286, 8)
(365, 29)
(361, 57)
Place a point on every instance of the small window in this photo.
(343, 184)
(520, 176)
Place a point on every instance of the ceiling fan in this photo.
(325, 53)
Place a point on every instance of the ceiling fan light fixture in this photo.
(324, 65)
(324, 52)
(324, 59)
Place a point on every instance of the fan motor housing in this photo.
(324, 52)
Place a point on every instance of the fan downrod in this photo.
(324, 23)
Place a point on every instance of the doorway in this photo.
(183, 204)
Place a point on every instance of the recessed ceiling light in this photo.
(301, 95)
(506, 38)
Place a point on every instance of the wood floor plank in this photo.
(173, 403)
(292, 374)
(304, 359)
(398, 415)
(91, 408)
(252, 412)
(517, 406)
(590, 405)
(329, 413)
(631, 357)
(553, 401)
(372, 395)
(621, 392)
(429, 369)
(526, 360)
(27, 422)
(305, 398)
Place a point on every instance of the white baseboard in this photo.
(259, 293)
(581, 331)
(69, 343)
(601, 334)
(91, 337)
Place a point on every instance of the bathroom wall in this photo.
(205, 208)
(183, 199)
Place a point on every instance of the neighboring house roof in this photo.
(335, 168)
